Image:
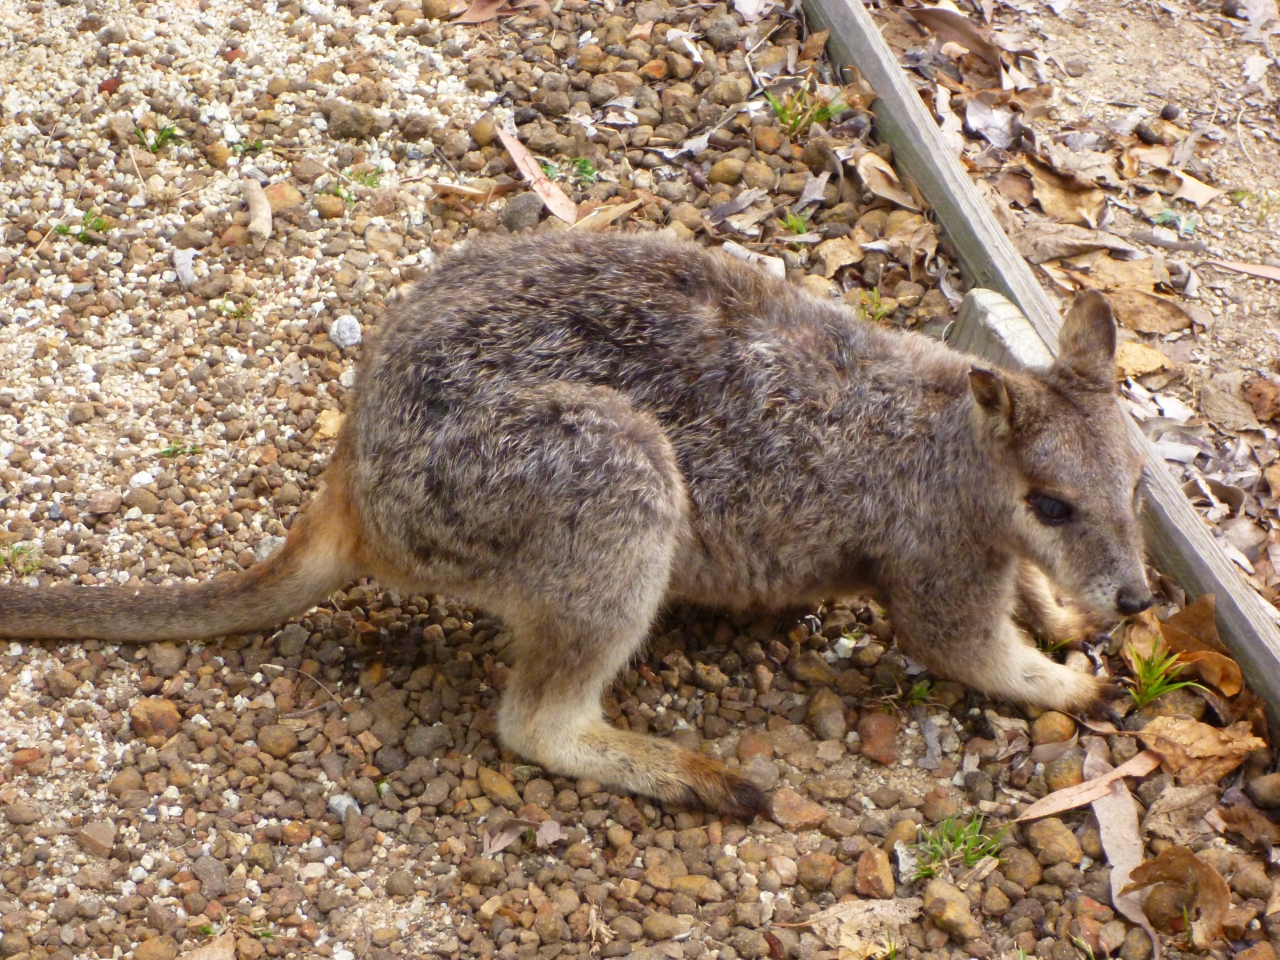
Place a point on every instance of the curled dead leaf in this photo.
(1146, 312)
(1213, 897)
(1065, 198)
(1250, 822)
(1196, 752)
(836, 253)
(880, 178)
(1135, 359)
(860, 929)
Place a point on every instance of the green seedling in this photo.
(1052, 646)
(952, 844)
(584, 169)
(180, 450)
(549, 168)
(1155, 676)
(21, 560)
(796, 223)
(342, 193)
(871, 308)
(226, 308)
(799, 109)
(154, 141)
(245, 146)
(90, 225)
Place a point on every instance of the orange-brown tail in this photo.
(319, 557)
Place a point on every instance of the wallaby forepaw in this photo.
(708, 784)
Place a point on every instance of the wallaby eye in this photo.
(1050, 510)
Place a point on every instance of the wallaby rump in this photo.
(572, 432)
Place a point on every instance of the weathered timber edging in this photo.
(1178, 541)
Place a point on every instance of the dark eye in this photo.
(1050, 510)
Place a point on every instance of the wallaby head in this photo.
(1064, 437)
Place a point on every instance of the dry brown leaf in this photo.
(482, 11)
(956, 26)
(814, 45)
(1071, 797)
(880, 178)
(328, 424)
(1135, 359)
(1217, 671)
(1088, 166)
(1101, 271)
(836, 253)
(1117, 817)
(553, 197)
(860, 929)
(1259, 270)
(601, 217)
(1064, 198)
(1197, 626)
(1196, 752)
(1248, 821)
(224, 948)
(1178, 813)
(1213, 898)
(1157, 155)
(1040, 241)
(1017, 187)
(1146, 312)
(1193, 191)
(1263, 394)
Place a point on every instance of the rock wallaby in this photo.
(573, 432)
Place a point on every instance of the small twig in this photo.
(332, 696)
(1240, 138)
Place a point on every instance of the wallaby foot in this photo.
(550, 713)
(1042, 608)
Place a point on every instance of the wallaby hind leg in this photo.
(561, 510)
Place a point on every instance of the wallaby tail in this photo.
(319, 557)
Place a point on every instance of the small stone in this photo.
(192, 238)
(938, 805)
(21, 813)
(157, 948)
(62, 683)
(350, 121)
(815, 870)
(218, 154)
(826, 715)
(282, 196)
(166, 659)
(1076, 66)
(307, 170)
(768, 139)
(1250, 881)
(130, 778)
(1265, 791)
(663, 926)
(885, 797)
(875, 875)
(995, 903)
(81, 412)
(1262, 950)
(437, 9)
(146, 501)
(484, 131)
(905, 830)
(793, 812)
(499, 789)
(809, 667)
(761, 771)
(345, 331)
(729, 90)
(328, 206)
(878, 733)
(1053, 842)
(1064, 772)
(155, 719)
(728, 171)
(522, 212)
(724, 34)
(277, 740)
(399, 884)
(948, 908)
(1136, 946)
(1020, 867)
(1051, 726)
(423, 740)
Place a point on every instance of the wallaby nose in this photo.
(1131, 600)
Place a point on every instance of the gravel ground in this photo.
(332, 789)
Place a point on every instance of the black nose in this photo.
(1131, 600)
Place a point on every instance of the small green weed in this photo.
(549, 168)
(154, 141)
(584, 169)
(1185, 224)
(952, 844)
(1051, 646)
(342, 193)
(180, 450)
(89, 228)
(796, 223)
(245, 146)
(226, 308)
(21, 560)
(871, 308)
(800, 108)
(1154, 676)
(890, 948)
(369, 179)
(207, 929)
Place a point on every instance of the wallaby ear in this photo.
(1087, 341)
(994, 401)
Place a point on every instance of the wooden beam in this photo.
(1178, 540)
